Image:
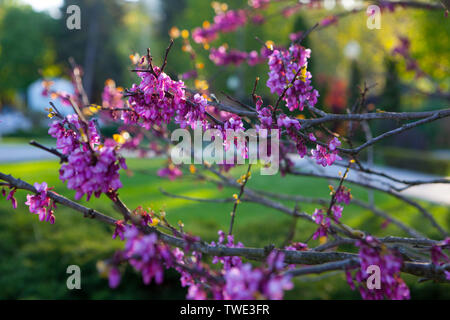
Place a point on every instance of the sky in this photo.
(52, 6)
(40, 5)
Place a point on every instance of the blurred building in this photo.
(12, 120)
(37, 102)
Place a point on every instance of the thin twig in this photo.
(241, 192)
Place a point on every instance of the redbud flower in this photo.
(284, 65)
(114, 277)
(120, 230)
(11, 197)
(343, 195)
(325, 158)
(172, 172)
(41, 204)
(373, 253)
(224, 22)
(324, 223)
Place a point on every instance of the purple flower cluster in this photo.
(41, 204)
(150, 257)
(186, 278)
(343, 195)
(89, 173)
(233, 125)
(284, 65)
(224, 22)
(119, 231)
(336, 211)
(66, 139)
(112, 98)
(171, 172)
(373, 253)
(113, 277)
(324, 220)
(324, 223)
(91, 168)
(388, 5)
(403, 50)
(284, 121)
(192, 112)
(229, 261)
(155, 100)
(438, 257)
(327, 156)
(147, 255)
(222, 57)
(10, 196)
(247, 283)
(329, 21)
(191, 74)
(295, 36)
(158, 99)
(292, 127)
(297, 246)
(264, 115)
(258, 4)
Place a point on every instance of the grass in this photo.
(35, 255)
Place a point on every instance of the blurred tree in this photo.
(430, 44)
(171, 11)
(355, 83)
(26, 46)
(95, 46)
(391, 95)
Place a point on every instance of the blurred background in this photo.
(35, 44)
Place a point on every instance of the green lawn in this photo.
(35, 255)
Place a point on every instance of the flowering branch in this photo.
(296, 257)
(91, 164)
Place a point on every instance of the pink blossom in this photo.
(224, 22)
(246, 283)
(120, 230)
(192, 113)
(172, 172)
(258, 4)
(258, 19)
(155, 100)
(324, 223)
(333, 144)
(10, 196)
(284, 65)
(222, 57)
(114, 277)
(343, 195)
(322, 155)
(91, 168)
(41, 204)
(112, 98)
(195, 292)
(438, 257)
(328, 21)
(227, 261)
(336, 210)
(147, 255)
(389, 262)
